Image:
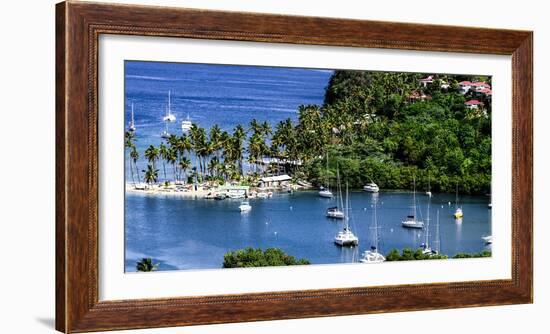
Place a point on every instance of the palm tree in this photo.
(151, 174)
(163, 153)
(146, 265)
(238, 137)
(184, 164)
(134, 155)
(172, 158)
(152, 154)
(129, 143)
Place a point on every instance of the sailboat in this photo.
(325, 192)
(458, 210)
(186, 124)
(169, 117)
(165, 134)
(411, 221)
(426, 245)
(132, 125)
(371, 187)
(346, 236)
(372, 255)
(335, 211)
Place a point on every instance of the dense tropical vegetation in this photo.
(377, 126)
(408, 254)
(255, 257)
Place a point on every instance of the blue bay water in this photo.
(185, 233)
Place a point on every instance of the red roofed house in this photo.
(424, 82)
(478, 86)
(464, 86)
(473, 104)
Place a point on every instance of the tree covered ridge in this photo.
(373, 128)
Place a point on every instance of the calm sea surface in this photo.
(184, 233)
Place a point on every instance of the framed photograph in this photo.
(221, 166)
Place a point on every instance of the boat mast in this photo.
(427, 241)
(375, 226)
(169, 107)
(437, 242)
(456, 199)
(132, 120)
(346, 218)
(414, 198)
(339, 193)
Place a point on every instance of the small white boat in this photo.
(372, 256)
(261, 195)
(371, 188)
(488, 239)
(411, 221)
(458, 213)
(490, 205)
(236, 195)
(132, 125)
(429, 193)
(245, 207)
(336, 213)
(186, 124)
(458, 210)
(326, 193)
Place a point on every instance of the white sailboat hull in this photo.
(372, 257)
(412, 223)
(326, 193)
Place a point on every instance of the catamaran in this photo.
(411, 221)
(132, 125)
(186, 124)
(372, 255)
(335, 211)
(458, 210)
(346, 236)
(371, 187)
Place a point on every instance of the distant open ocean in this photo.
(226, 95)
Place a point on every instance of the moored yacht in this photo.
(169, 117)
(325, 192)
(335, 212)
(372, 255)
(346, 236)
(186, 124)
(245, 206)
(132, 125)
(371, 187)
(411, 221)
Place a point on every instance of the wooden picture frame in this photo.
(78, 27)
